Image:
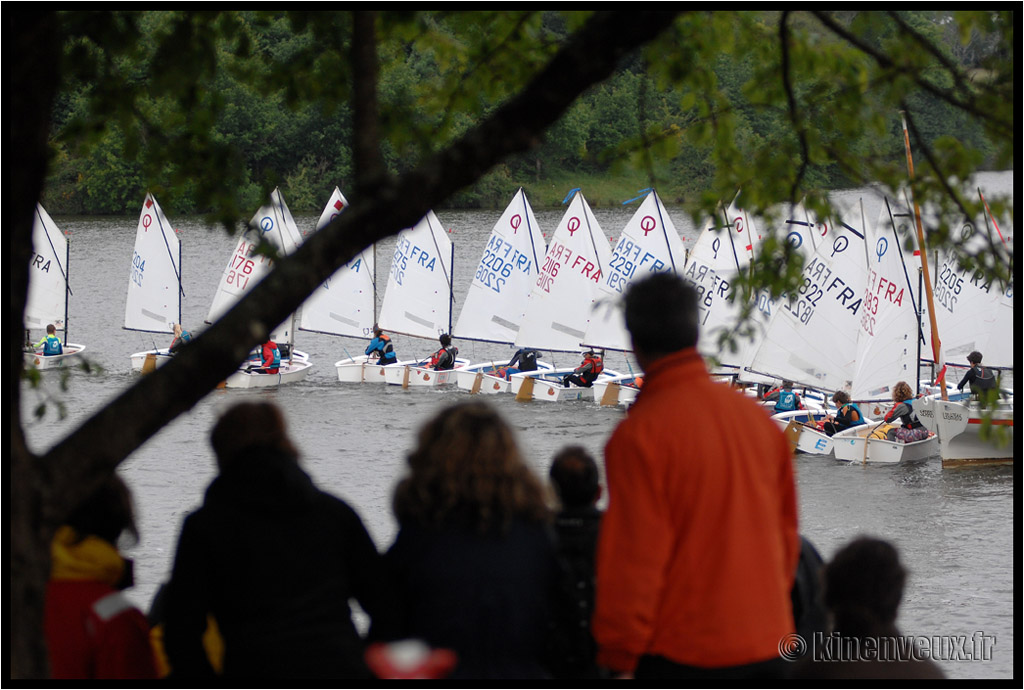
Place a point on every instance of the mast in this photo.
(67, 286)
(936, 341)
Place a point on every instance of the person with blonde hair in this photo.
(903, 410)
(474, 562)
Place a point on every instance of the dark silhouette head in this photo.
(445, 340)
(106, 513)
(661, 315)
(249, 426)
(974, 357)
(575, 477)
(864, 586)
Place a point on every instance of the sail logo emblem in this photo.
(515, 221)
(881, 248)
(648, 224)
(795, 239)
(840, 245)
(573, 225)
(147, 220)
(266, 224)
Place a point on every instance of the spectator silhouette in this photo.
(92, 630)
(274, 561)
(699, 544)
(474, 560)
(863, 587)
(574, 476)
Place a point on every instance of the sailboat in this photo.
(418, 298)
(649, 243)
(562, 300)
(274, 224)
(153, 304)
(497, 297)
(344, 304)
(978, 315)
(48, 290)
(888, 342)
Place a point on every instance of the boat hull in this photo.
(362, 369)
(958, 425)
(291, 372)
(616, 390)
(849, 446)
(159, 358)
(40, 361)
(480, 378)
(413, 375)
(547, 385)
(810, 440)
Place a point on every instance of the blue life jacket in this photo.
(786, 401)
(52, 346)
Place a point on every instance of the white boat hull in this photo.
(810, 439)
(547, 385)
(290, 372)
(616, 390)
(160, 357)
(412, 375)
(479, 378)
(958, 426)
(848, 445)
(41, 361)
(363, 369)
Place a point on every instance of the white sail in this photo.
(717, 257)
(799, 230)
(273, 223)
(417, 300)
(154, 281)
(506, 273)
(649, 243)
(972, 312)
(48, 282)
(812, 336)
(887, 342)
(566, 290)
(345, 303)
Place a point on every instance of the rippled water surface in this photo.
(954, 528)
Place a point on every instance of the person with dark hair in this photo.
(574, 476)
(863, 587)
(444, 359)
(786, 400)
(50, 343)
(847, 414)
(699, 543)
(382, 347)
(474, 561)
(587, 372)
(525, 359)
(92, 630)
(978, 378)
(274, 561)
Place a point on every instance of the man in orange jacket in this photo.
(699, 544)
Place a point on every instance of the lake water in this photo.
(954, 528)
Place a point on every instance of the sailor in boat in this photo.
(525, 359)
(381, 347)
(847, 414)
(444, 359)
(271, 359)
(181, 337)
(586, 373)
(786, 400)
(911, 428)
(979, 378)
(50, 343)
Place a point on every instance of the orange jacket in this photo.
(699, 545)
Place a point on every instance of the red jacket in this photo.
(699, 545)
(92, 630)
